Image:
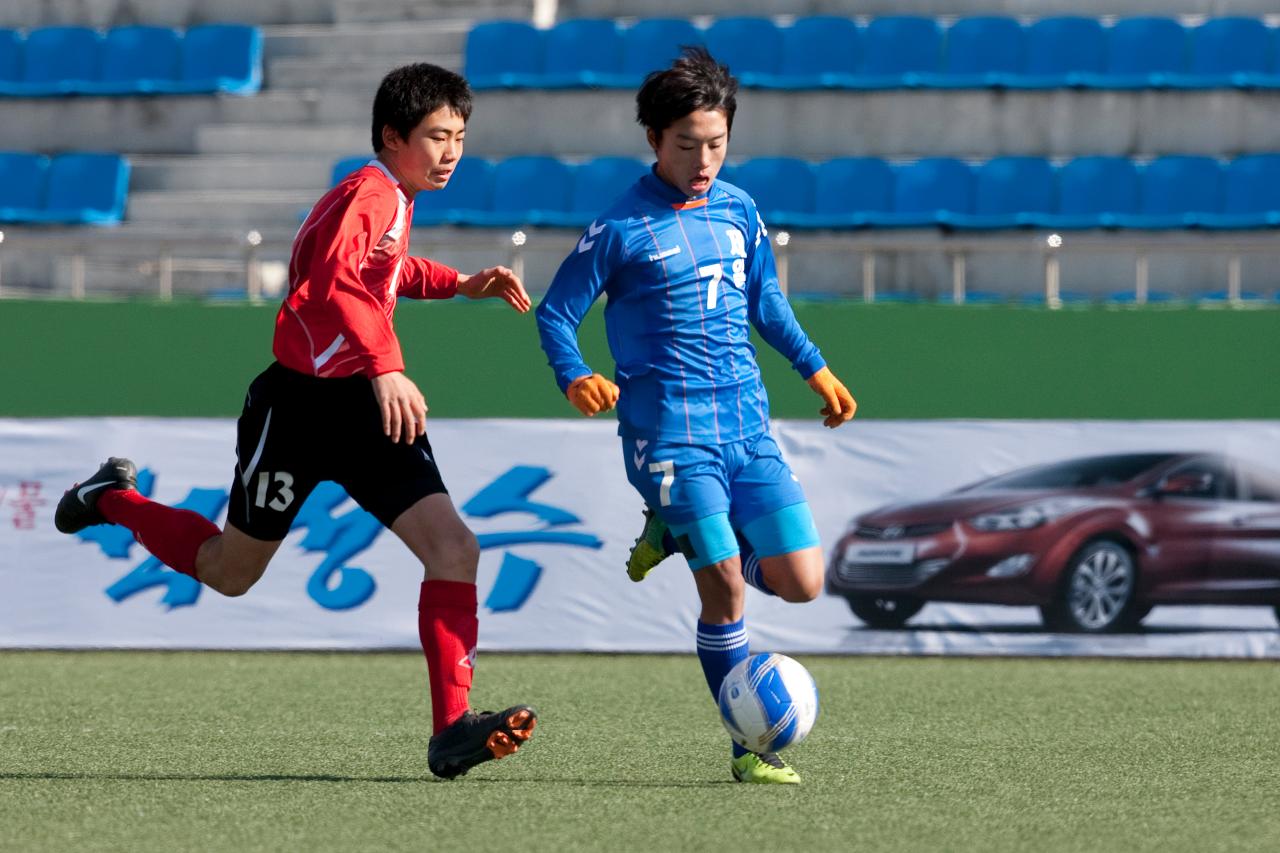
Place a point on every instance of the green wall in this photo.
(483, 360)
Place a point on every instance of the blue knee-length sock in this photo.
(720, 647)
(751, 571)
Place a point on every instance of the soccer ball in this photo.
(768, 703)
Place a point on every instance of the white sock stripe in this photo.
(741, 632)
(736, 642)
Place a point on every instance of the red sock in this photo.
(173, 536)
(448, 627)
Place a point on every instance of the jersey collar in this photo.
(382, 167)
(668, 194)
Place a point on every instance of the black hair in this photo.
(695, 81)
(411, 92)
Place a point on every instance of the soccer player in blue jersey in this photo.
(687, 266)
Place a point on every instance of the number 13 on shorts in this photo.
(668, 472)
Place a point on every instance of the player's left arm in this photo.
(771, 314)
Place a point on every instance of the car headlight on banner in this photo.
(1027, 517)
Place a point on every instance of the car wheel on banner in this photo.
(1097, 591)
(884, 611)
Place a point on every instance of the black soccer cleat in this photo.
(78, 508)
(475, 738)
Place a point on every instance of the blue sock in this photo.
(751, 571)
(720, 647)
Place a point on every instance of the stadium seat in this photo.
(1213, 296)
(898, 50)
(1142, 53)
(1066, 297)
(504, 54)
(819, 51)
(597, 184)
(652, 44)
(466, 199)
(1228, 52)
(10, 59)
(751, 47)
(346, 166)
(59, 61)
(584, 52)
(848, 191)
(221, 58)
(782, 187)
(86, 188)
(1252, 197)
(23, 179)
(137, 60)
(981, 52)
(1130, 297)
(1174, 191)
(928, 192)
(1010, 192)
(1062, 51)
(528, 191)
(1093, 192)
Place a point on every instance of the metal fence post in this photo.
(782, 241)
(869, 276)
(77, 275)
(1141, 280)
(1233, 280)
(959, 270)
(518, 240)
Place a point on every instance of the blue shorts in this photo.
(709, 491)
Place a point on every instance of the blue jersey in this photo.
(684, 278)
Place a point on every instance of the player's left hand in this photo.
(495, 282)
(840, 403)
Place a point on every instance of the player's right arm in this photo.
(577, 285)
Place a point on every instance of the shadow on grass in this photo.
(392, 780)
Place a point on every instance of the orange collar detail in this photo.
(690, 205)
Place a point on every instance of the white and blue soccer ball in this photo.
(768, 703)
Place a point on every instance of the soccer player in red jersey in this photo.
(336, 405)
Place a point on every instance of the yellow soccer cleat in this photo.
(649, 549)
(763, 768)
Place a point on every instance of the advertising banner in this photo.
(1099, 538)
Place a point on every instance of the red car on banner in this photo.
(1095, 543)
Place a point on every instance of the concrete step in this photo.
(290, 173)
(365, 39)
(174, 13)
(351, 11)
(328, 140)
(355, 73)
(243, 209)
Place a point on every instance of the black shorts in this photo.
(297, 431)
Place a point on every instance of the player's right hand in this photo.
(592, 394)
(404, 409)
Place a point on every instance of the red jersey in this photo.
(350, 262)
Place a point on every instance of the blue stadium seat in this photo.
(466, 199)
(86, 188)
(1213, 296)
(928, 192)
(583, 52)
(597, 184)
(137, 60)
(60, 60)
(1228, 52)
(1063, 51)
(346, 166)
(1093, 192)
(528, 191)
(751, 47)
(1129, 297)
(1175, 191)
(848, 192)
(221, 58)
(10, 59)
(819, 51)
(1252, 198)
(898, 50)
(977, 297)
(23, 181)
(1010, 192)
(783, 188)
(504, 54)
(1066, 297)
(1143, 53)
(982, 52)
(652, 44)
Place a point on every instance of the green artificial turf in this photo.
(137, 751)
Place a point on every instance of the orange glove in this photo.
(592, 394)
(840, 404)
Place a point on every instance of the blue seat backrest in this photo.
(1146, 45)
(469, 189)
(23, 180)
(985, 44)
(531, 183)
(227, 56)
(852, 185)
(585, 44)
(1182, 185)
(933, 183)
(503, 47)
(778, 184)
(597, 183)
(746, 44)
(653, 43)
(94, 183)
(10, 55)
(1090, 185)
(62, 55)
(1253, 184)
(821, 44)
(346, 166)
(1015, 185)
(1058, 45)
(901, 43)
(1224, 45)
(141, 53)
